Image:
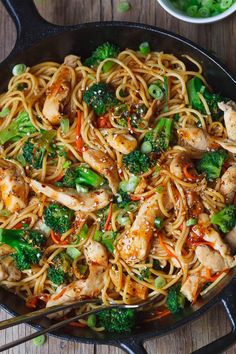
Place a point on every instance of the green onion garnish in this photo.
(123, 6)
(156, 91)
(65, 125)
(160, 282)
(146, 147)
(39, 341)
(144, 48)
(191, 222)
(91, 321)
(158, 223)
(4, 112)
(18, 69)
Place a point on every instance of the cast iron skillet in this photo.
(37, 41)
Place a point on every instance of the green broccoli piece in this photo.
(58, 218)
(137, 162)
(117, 320)
(145, 273)
(175, 300)
(195, 86)
(26, 244)
(211, 164)
(122, 199)
(34, 150)
(60, 271)
(20, 127)
(101, 97)
(225, 218)
(104, 51)
(159, 138)
(82, 176)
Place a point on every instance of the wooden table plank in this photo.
(217, 38)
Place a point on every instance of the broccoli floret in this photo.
(58, 218)
(211, 164)
(20, 127)
(122, 199)
(175, 300)
(137, 162)
(117, 320)
(104, 51)
(101, 97)
(159, 137)
(34, 150)
(60, 271)
(82, 176)
(225, 218)
(26, 244)
(195, 86)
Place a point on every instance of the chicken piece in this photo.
(71, 60)
(57, 96)
(135, 244)
(97, 259)
(177, 164)
(190, 287)
(14, 190)
(195, 137)
(124, 143)
(8, 270)
(195, 205)
(229, 109)
(230, 239)
(213, 260)
(133, 288)
(228, 184)
(227, 144)
(103, 164)
(83, 202)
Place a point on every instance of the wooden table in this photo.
(220, 39)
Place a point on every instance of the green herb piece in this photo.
(123, 6)
(144, 48)
(18, 69)
(39, 341)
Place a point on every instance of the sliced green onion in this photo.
(204, 12)
(123, 6)
(65, 125)
(98, 236)
(107, 66)
(123, 220)
(83, 233)
(156, 91)
(66, 164)
(159, 189)
(225, 4)
(18, 69)
(159, 282)
(81, 189)
(91, 321)
(4, 212)
(130, 185)
(82, 268)
(146, 147)
(191, 222)
(158, 223)
(4, 112)
(144, 48)
(73, 252)
(108, 239)
(20, 158)
(39, 341)
(192, 11)
(207, 3)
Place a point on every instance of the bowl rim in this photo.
(184, 17)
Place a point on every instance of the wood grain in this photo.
(218, 38)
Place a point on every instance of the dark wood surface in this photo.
(219, 38)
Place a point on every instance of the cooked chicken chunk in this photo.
(190, 287)
(57, 95)
(195, 137)
(227, 144)
(228, 184)
(96, 257)
(177, 164)
(84, 202)
(103, 164)
(124, 143)
(8, 270)
(71, 60)
(229, 109)
(230, 239)
(14, 190)
(213, 260)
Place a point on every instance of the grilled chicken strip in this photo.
(124, 143)
(229, 109)
(228, 184)
(104, 165)
(83, 202)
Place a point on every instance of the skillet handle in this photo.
(220, 345)
(30, 26)
(132, 346)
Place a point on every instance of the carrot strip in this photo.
(56, 239)
(79, 140)
(104, 122)
(32, 302)
(163, 245)
(129, 125)
(106, 226)
(187, 174)
(62, 292)
(162, 314)
(77, 324)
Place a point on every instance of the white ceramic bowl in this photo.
(168, 6)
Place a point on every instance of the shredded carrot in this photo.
(106, 226)
(164, 313)
(104, 122)
(196, 296)
(19, 225)
(62, 292)
(163, 245)
(32, 302)
(57, 240)
(129, 125)
(188, 174)
(79, 140)
(78, 324)
(211, 278)
(59, 177)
